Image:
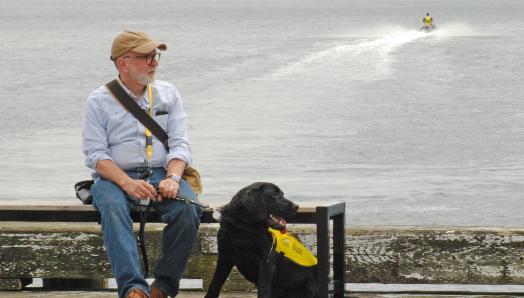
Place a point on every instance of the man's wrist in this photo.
(175, 177)
(123, 180)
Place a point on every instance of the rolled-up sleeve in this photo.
(94, 137)
(178, 140)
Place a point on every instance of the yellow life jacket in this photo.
(427, 20)
(292, 249)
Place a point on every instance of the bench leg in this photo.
(339, 260)
(323, 216)
(323, 251)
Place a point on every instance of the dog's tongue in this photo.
(281, 222)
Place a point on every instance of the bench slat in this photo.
(87, 213)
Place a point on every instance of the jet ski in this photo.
(428, 28)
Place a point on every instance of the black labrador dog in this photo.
(244, 242)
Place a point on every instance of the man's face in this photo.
(141, 68)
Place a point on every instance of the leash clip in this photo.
(146, 175)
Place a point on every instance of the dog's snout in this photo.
(290, 202)
(292, 207)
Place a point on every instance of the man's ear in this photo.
(121, 64)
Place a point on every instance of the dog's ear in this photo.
(232, 208)
(253, 203)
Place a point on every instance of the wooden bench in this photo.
(320, 214)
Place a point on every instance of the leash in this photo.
(140, 239)
(189, 201)
(183, 198)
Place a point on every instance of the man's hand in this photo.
(139, 189)
(168, 188)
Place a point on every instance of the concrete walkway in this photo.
(198, 294)
(104, 294)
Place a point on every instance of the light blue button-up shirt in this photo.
(110, 132)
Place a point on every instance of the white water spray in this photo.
(367, 57)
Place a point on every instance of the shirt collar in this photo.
(138, 99)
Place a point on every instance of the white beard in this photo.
(142, 79)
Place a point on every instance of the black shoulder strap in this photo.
(144, 118)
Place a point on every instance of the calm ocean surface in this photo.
(331, 100)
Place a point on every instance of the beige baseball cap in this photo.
(138, 42)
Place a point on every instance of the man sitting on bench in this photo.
(128, 161)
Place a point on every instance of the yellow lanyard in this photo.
(149, 137)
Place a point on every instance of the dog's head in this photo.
(261, 203)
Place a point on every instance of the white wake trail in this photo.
(364, 55)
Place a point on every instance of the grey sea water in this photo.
(331, 100)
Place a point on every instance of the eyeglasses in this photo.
(149, 58)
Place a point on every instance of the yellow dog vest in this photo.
(292, 249)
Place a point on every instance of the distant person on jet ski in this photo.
(428, 23)
(427, 20)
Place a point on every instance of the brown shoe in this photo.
(136, 293)
(157, 293)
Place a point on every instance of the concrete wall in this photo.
(373, 254)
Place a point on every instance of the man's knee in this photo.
(182, 213)
(108, 195)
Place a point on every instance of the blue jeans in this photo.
(181, 219)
